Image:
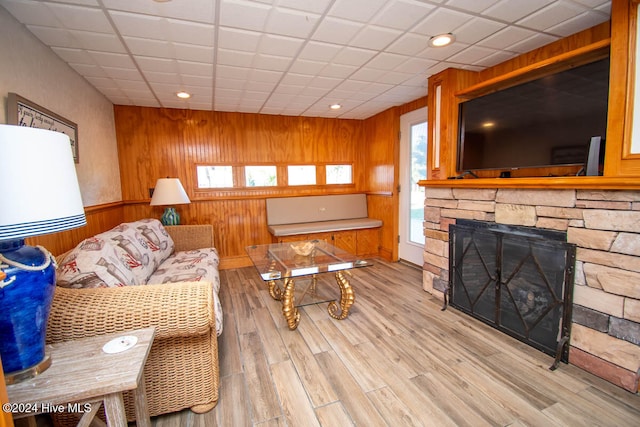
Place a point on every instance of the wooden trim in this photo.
(569, 182)
(102, 207)
(618, 159)
(574, 58)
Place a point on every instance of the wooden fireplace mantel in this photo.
(551, 183)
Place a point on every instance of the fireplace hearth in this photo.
(516, 279)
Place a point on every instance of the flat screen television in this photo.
(546, 122)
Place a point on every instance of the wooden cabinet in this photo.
(364, 242)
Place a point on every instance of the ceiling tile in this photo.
(195, 68)
(290, 22)
(81, 18)
(158, 77)
(58, 37)
(414, 65)
(156, 64)
(387, 61)
(192, 10)
(532, 42)
(477, 29)
(511, 11)
(235, 58)
(335, 30)
(126, 74)
(243, 14)
(87, 70)
(320, 51)
(409, 44)
(231, 38)
(471, 55)
(98, 41)
(31, 13)
(279, 45)
(76, 56)
(340, 71)
(401, 14)
(315, 6)
(373, 37)
(308, 67)
(441, 21)
(356, 10)
(506, 37)
(573, 25)
(271, 62)
(551, 15)
(472, 5)
(354, 56)
(366, 54)
(107, 59)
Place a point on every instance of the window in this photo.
(339, 174)
(260, 176)
(214, 176)
(301, 175)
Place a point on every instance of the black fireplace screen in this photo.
(517, 279)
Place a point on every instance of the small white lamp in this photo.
(40, 195)
(169, 192)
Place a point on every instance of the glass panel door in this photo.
(413, 168)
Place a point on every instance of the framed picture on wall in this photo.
(22, 112)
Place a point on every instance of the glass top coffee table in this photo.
(279, 264)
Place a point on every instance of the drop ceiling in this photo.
(290, 57)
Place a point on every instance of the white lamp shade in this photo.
(169, 191)
(38, 183)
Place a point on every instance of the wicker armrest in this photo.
(178, 309)
(189, 237)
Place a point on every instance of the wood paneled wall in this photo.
(154, 143)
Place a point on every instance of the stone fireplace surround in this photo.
(605, 227)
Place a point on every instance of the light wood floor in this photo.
(397, 360)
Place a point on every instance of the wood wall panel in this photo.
(154, 143)
(99, 218)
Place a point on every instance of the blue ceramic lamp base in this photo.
(27, 283)
(170, 217)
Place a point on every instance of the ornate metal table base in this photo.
(289, 309)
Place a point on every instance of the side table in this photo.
(83, 376)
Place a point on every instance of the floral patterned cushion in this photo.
(193, 266)
(134, 249)
(158, 240)
(94, 263)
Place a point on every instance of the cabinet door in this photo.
(294, 238)
(367, 241)
(345, 240)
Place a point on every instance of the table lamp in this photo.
(169, 192)
(40, 195)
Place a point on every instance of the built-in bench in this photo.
(341, 218)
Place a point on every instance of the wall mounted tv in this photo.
(545, 122)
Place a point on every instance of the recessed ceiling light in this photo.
(442, 40)
(488, 124)
(335, 106)
(183, 95)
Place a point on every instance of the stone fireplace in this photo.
(517, 279)
(604, 225)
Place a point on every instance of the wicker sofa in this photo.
(182, 368)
